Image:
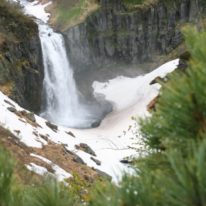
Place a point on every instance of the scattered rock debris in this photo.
(125, 161)
(44, 137)
(156, 80)
(75, 158)
(128, 160)
(96, 161)
(71, 134)
(8, 102)
(52, 126)
(29, 115)
(35, 133)
(17, 132)
(84, 147)
(12, 109)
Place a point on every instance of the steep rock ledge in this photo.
(21, 70)
(116, 35)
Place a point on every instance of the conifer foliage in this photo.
(14, 193)
(181, 110)
(173, 173)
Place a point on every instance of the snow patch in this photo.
(36, 9)
(59, 173)
(124, 91)
(37, 169)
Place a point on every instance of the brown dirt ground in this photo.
(53, 152)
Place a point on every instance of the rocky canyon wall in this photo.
(21, 70)
(116, 35)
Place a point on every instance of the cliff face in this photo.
(114, 34)
(21, 70)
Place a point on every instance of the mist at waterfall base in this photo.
(63, 104)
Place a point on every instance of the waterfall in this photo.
(62, 103)
(59, 87)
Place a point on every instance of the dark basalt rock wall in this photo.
(21, 72)
(114, 34)
(21, 68)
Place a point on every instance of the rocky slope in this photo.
(114, 35)
(21, 70)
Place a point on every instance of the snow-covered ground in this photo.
(59, 173)
(113, 140)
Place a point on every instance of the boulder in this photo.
(86, 148)
(52, 126)
(12, 109)
(76, 158)
(96, 160)
(71, 134)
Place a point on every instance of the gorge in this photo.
(115, 40)
(89, 82)
(62, 100)
(62, 104)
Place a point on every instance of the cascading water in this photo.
(62, 102)
(62, 105)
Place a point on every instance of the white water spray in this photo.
(62, 102)
(62, 105)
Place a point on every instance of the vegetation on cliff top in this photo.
(133, 2)
(136, 4)
(16, 31)
(66, 13)
(15, 26)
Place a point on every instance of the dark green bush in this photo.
(50, 193)
(14, 24)
(6, 171)
(13, 193)
(181, 183)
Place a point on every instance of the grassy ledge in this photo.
(67, 13)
